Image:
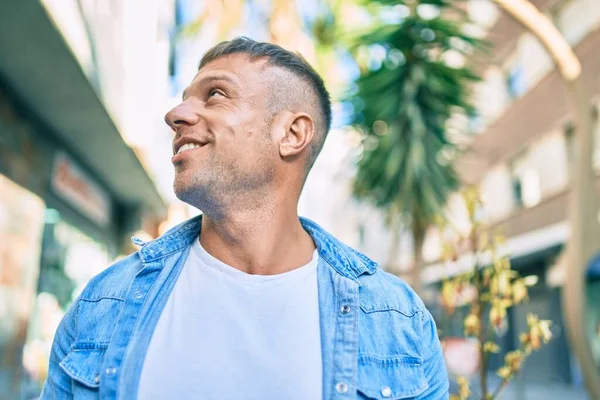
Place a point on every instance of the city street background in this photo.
(430, 98)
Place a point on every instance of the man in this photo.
(247, 301)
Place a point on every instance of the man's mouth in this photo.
(188, 146)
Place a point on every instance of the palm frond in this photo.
(415, 98)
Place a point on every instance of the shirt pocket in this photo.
(84, 362)
(400, 377)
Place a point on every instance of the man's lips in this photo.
(185, 150)
(187, 147)
(184, 144)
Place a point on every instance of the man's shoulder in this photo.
(114, 281)
(379, 290)
(383, 291)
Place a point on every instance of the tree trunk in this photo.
(392, 260)
(419, 238)
(584, 232)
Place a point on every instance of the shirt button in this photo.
(386, 391)
(345, 309)
(341, 387)
(111, 371)
(138, 294)
(97, 379)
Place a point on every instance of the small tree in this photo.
(496, 288)
(402, 103)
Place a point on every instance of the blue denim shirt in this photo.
(378, 340)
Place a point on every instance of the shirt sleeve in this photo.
(58, 383)
(434, 364)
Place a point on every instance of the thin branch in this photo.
(480, 309)
(490, 337)
(500, 387)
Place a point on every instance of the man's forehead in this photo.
(236, 66)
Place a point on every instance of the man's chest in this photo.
(216, 335)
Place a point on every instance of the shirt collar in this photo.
(345, 260)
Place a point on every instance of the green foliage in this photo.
(403, 101)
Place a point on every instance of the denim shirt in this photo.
(378, 340)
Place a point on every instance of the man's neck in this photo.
(258, 241)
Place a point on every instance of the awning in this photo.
(39, 67)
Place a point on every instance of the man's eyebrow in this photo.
(210, 79)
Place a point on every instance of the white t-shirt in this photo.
(228, 335)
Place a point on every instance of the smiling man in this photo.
(248, 301)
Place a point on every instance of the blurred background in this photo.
(430, 97)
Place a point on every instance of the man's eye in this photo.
(214, 92)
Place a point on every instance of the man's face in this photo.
(222, 145)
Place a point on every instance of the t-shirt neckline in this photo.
(212, 262)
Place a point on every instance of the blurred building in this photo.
(520, 158)
(81, 84)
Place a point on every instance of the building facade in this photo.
(520, 158)
(73, 186)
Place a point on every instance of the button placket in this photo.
(345, 352)
(115, 355)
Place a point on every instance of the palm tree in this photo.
(402, 104)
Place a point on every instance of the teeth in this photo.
(187, 146)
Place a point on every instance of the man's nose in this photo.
(181, 115)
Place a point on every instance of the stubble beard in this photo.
(224, 189)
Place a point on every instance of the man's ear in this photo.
(299, 133)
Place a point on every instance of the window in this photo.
(548, 156)
(577, 18)
(515, 80)
(541, 171)
(497, 193)
(525, 182)
(491, 97)
(514, 75)
(531, 193)
(534, 58)
(527, 65)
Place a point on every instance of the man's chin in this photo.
(200, 197)
(190, 193)
(183, 191)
